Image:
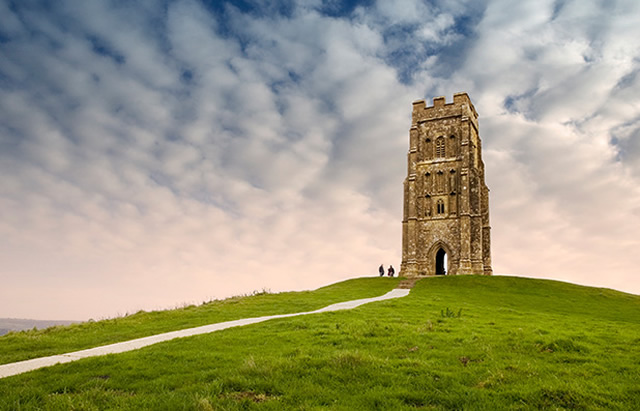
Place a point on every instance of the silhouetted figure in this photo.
(391, 271)
(381, 270)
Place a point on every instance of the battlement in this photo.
(461, 105)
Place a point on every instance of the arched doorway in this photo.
(441, 262)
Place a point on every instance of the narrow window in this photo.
(440, 207)
(440, 147)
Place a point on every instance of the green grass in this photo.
(516, 344)
(18, 346)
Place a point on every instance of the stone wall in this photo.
(446, 200)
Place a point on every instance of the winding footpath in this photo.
(7, 370)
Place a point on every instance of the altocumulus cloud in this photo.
(162, 152)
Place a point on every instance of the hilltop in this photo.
(462, 342)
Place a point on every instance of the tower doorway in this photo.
(441, 262)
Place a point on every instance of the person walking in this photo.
(391, 271)
(381, 270)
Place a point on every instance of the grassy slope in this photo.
(518, 344)
(25, 345)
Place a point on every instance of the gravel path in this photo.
(15, 368)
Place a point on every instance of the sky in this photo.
(159, 153)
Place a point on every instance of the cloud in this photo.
(158, 155)
(151, 190)
(550, 103)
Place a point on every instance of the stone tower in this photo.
(445, 228)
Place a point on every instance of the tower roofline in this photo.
(439, 102)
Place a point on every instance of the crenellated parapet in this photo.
(461, 106)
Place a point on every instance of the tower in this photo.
(445, 228)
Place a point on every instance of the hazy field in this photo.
(19, 324)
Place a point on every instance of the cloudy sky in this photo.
(162, 152)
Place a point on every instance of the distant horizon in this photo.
(8, 325)
(184, 304)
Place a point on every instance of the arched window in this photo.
(440, 147)
(440, 207)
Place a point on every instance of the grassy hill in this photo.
(465, 342)
(58, 340)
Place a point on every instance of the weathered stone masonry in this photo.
(446, 200)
